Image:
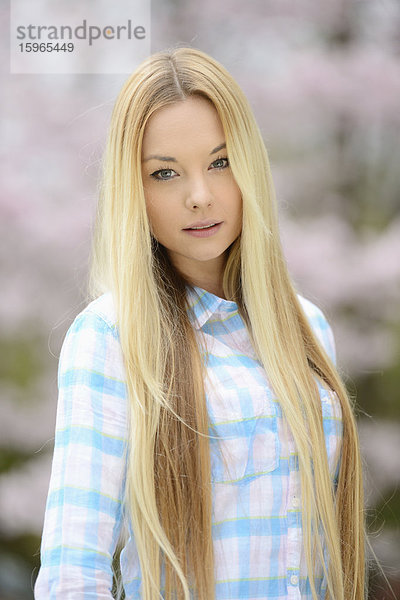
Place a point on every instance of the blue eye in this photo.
(221, 163)
(162, 174)
(166, 174)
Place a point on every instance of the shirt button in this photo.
(294, 580)
(295, 502)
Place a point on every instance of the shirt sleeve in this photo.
(331, 408)
(83, 517)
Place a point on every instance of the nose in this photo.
(199, 194)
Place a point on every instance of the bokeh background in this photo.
(323, 79)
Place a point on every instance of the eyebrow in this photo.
(172, 159)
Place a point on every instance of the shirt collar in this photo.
(203, 304)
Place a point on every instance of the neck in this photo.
(211, 287)
(207, 275)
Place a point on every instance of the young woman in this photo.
(199, 406)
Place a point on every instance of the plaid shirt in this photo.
(257, 531)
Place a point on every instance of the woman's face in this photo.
(193, 202)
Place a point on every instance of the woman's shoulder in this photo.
(98, 314)
(320, 325)
(313, 313)
(103, 306)
(311, 309)
(93, 330)
(92, 341)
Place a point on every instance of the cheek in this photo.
(161, 220)
(239, 215)
(238, 206)
(153, 214)
(235, 193)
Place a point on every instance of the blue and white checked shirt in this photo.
(257, 529)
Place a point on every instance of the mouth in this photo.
(200, 227)
(204, 231)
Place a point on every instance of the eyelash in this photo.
(166, 168)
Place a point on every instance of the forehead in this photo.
(193, 121)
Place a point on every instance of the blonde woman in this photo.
(200, 412)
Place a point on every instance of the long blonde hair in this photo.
(168, 491)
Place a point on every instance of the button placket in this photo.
(294, 533)
(296, 502)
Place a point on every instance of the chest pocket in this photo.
(244, 430)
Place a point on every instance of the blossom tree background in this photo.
(324, 82)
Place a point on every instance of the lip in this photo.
(203, 223)
(204, 233)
